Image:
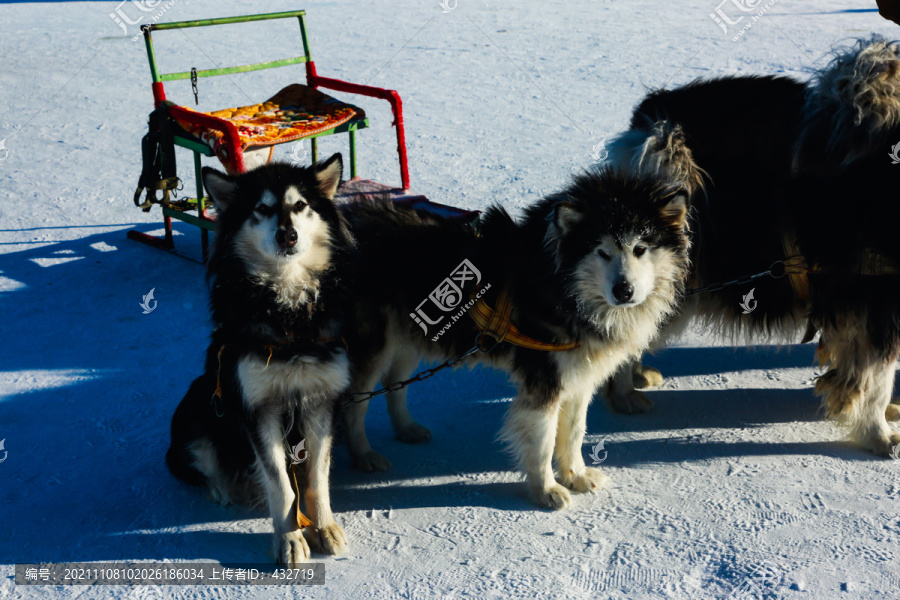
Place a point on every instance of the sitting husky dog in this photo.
(804, 171)
(588, 275)
(276, 364)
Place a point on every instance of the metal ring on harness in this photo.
(482, 346)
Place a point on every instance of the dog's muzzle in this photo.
(286, 238)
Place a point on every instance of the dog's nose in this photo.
(623, 291)
(286, 238)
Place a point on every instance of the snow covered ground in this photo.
(504, 100)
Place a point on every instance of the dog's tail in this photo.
(852, 103)
(660, 151)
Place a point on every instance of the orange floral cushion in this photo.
(296, 112)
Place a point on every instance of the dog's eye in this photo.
(299, 206)
(264, 209)
(602, 254)
(640, 250)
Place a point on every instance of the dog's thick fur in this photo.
(564, 263)
(766, 156)
(279, 306)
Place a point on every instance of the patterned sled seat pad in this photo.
(296, 112)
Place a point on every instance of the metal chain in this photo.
(194, 85)
(776, 271)
(358, 397)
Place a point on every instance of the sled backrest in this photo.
(160, 78)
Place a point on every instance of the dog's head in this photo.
(621, 242)
(278, 216)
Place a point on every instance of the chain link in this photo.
(358, 397)
(194, 85)
(776, 271)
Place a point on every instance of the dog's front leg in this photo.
(530, 430)
(267, 438)
(621, 388)
(570, 431)
(325, 535)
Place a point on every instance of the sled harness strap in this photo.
(158, 160)
(799, 279)
(497, 324)
(217, 395)
(302, 520)
(874, 263)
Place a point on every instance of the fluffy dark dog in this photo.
(601, 264)
(769, 160)
(276, 356)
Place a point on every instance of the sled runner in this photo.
(245, 136)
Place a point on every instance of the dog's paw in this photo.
(414, 434)
(587, 479)
(881, 445)
(646, 377)
(327, 540)
(371, 461)
(556, 497)
(292, 549)
(631, 403)
(892, 412)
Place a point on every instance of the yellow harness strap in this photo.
(218, 391)
(302, 520)
(498, 324)
(795, 266)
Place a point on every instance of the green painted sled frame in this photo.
(232, 151)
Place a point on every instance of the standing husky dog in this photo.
(598, 266)
(276, 363)
(779, 169)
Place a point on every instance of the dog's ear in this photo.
(221, 188)
(566, 215)
(328, 175)
(674, 209)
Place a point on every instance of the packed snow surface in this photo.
(734, 470)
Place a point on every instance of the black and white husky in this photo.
(600, 264)
(770, 159)
(276, 363)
